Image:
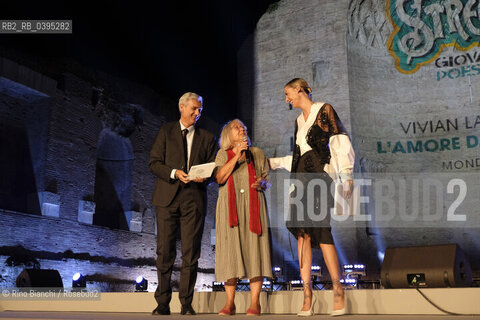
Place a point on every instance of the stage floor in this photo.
(22, 315)
(362, 304)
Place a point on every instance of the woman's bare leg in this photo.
(230, 287)
(305, 261)
(255, 288)
(331, 260)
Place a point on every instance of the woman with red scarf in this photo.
(242, 247)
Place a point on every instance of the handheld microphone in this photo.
(247, 152)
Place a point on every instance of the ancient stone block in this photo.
(135, 222)
(86, 210)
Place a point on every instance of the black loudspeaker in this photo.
(38, 278)
(427, 266)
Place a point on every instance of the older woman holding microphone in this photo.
(242, 247)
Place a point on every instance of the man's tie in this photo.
(185, 148)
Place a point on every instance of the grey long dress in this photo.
(240, 253)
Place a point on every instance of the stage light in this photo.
(278, 283)
(296, 285)
(349, 282)
(141, 284)
(79, 281)
(316, 271)
(277, 272)
(267, 285)
(218, 286)
(354, 270)
(243, 285)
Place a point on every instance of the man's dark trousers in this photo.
(189, 216)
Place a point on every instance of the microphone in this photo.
(246, 152)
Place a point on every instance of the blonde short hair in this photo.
(224, 141)
(187, 96)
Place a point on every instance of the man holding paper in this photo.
(179, 201)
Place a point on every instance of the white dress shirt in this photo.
(340, 168)
(304, 126)
(189, 137)
(341, 150)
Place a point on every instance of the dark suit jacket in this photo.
(167, 154)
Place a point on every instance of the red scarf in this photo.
(255, 225)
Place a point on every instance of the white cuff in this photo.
(281, 163)
(342, 154)
(346, 175)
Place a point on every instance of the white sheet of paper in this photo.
(201, 170)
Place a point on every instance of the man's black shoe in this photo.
(187, 309)
(161, 310)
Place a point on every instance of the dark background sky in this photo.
(169, 46)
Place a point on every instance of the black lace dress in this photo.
(310, 205)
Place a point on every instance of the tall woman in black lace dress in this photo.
(319, 136)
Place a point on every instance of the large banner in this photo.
(413, 85)
(415, 110)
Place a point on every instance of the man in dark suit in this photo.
(180, 202)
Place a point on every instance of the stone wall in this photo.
(110, 259)
(298, 39)
(50, 151)
(23, 146)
